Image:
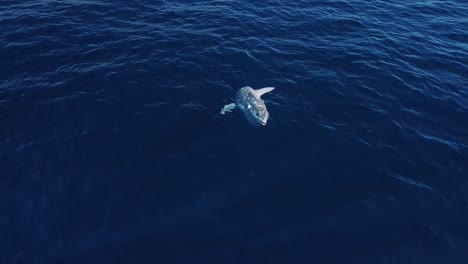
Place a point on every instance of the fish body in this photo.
(252, 105)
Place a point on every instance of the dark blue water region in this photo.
(112, 148)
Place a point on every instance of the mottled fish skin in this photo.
(253, 107)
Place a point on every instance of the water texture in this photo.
(112, 148)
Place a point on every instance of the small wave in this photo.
(409, 181)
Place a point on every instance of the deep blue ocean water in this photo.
(112, 148)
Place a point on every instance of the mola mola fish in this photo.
(251, 104)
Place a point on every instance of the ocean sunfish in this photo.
(251, 104)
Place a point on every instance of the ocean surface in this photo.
(113, 150)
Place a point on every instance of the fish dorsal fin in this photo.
(259, 92)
